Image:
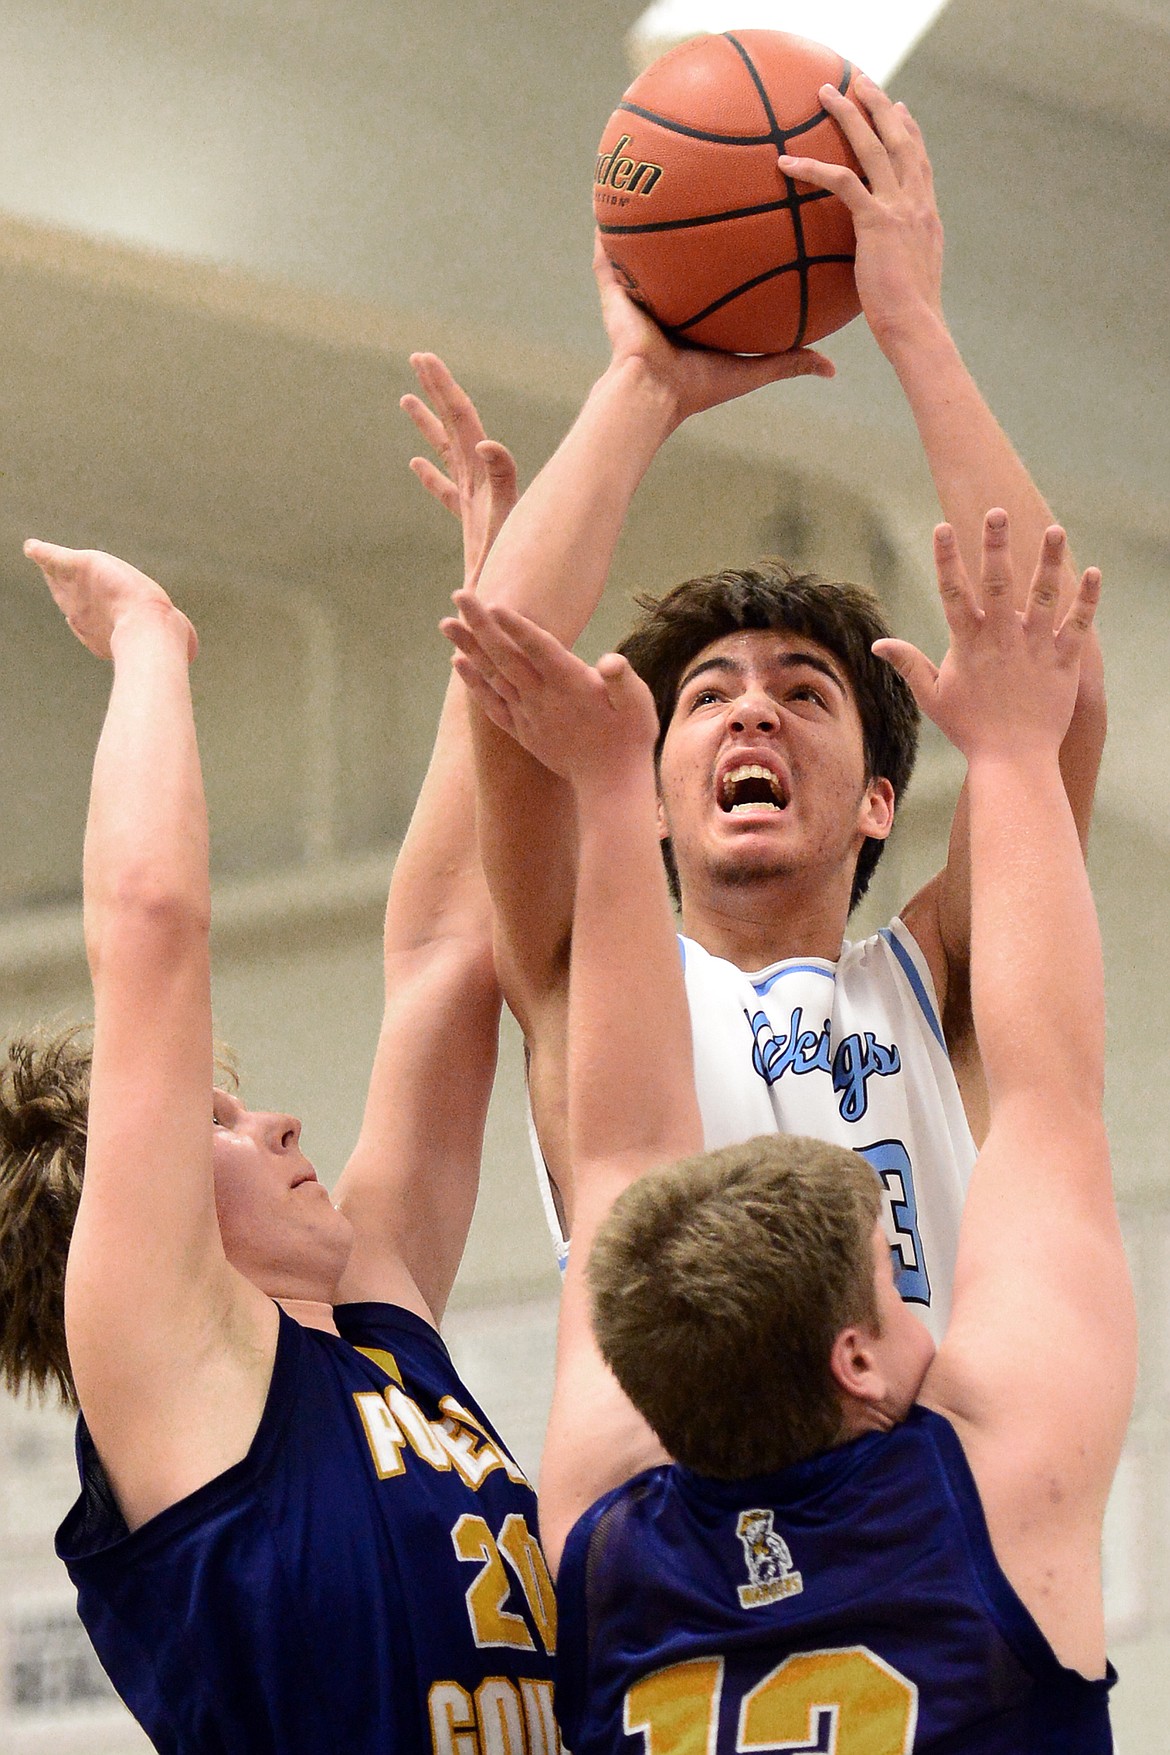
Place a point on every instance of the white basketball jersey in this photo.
(851, 1052)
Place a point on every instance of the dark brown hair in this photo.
(718, 1288)
(44, 1107)
(44, 1116)
(844, 619)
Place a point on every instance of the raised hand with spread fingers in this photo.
(477, 483)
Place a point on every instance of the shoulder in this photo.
(599, 1566)
(402, 1346)
(95, 1530)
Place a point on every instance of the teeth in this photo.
(753, 771)
(758, 804)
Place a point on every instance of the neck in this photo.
(309, 1313)
(752, 925)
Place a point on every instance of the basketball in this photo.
(703, 228)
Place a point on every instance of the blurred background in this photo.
(222, 229)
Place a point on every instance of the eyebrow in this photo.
(785, 661)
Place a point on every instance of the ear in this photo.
(854, 1366)
(877, 810)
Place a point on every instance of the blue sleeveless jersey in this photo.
(367, 1580)
(850, 1604)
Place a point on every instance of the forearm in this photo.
(971, 458)
(146, 842)
(552, 557)
(631, 1078)
(975, 467)
(438, 890)
(1037, 982)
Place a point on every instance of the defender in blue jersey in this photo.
(297, 1533)
(864, 1546)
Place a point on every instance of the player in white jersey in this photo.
(853, 1053)
(780, 759)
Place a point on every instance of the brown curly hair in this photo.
(44, 1109)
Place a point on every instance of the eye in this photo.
(705, 697)
(809, 692)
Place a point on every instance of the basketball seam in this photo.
(672, 225)
(780, 138)
(695, 133)
(803, 265)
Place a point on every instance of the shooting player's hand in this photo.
(1008, 683)
(479, 486)
(899, 233)
(96, 591)
(693, 378)
(582, 721)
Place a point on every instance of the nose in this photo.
(753, 710)
(284, 1132)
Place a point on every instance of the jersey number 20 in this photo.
(840, 1702)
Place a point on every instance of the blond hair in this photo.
(718, 1288)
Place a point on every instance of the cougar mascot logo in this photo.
(769, 1562)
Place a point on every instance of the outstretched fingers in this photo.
(997, 578)
(894, 126)
(479, 635)
(1044, 592)
(456, 411)
(1071, 634)
(499, 465)
(439, 486)
(914, 667)
(959, 600)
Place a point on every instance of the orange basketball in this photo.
(702, 226)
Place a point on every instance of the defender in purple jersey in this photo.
(296, 1532)
(863, 1546)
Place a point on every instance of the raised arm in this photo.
(551, 562)
(631, 1098)
(1037, 1366)
(410, 1185)
(171, 1348)
(971, 459)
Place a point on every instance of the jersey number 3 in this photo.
(842, 1702)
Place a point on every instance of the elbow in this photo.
(456, 970)
(141, 914)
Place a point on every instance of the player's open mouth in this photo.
(751, 787)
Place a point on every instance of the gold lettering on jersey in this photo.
(498, 1709)
(499, 1719)
(472, 1447)
(539, 1717)
(751, 1596)
(459, 1440)
(452, 1714)
(383, 1433)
